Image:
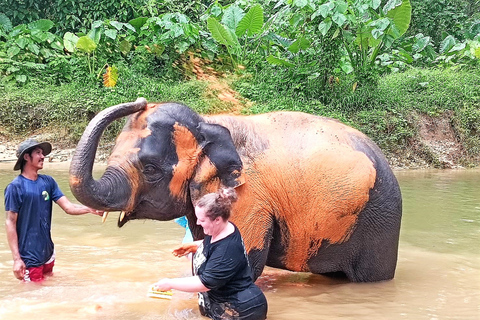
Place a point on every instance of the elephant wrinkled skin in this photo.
(314, 194)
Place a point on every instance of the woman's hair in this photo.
(218, 204)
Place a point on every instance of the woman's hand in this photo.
(163, 285)
(185, 249)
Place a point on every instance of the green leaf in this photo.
(275, 38)
(125, 47)
(86, 44)
(279, 62)
(117, 25)
(341, 6)
(33, 48)
(111, 33)
(182, 46)
(232, 16)
(324, 26)
(5, 22)
(42, 24)
(57, 45)
(22, 42)
(377, 33)
(420, 44)
(390, 5)
(95, 34)
(299, 44)
(39, 36)
(21, 78)
(216, 10)
(70, 41)
(339, 19)
(177, 30)
(401, 16)
(476, 52)
(447, 44)
(219, 33)
(12, 69)
(130, 27)
(13, 51)
(457, 47)
(300, 3)
(251, 23)
(137, 23)
(325, 9)
(297, 20)
(376, 4)
(474, 29)
(97, 24)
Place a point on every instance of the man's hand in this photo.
(185, 249)
(97, 212)
(19, 269)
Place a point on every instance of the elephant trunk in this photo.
(111, 191)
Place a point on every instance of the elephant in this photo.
(314, 195)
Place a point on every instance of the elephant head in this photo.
(165, 157)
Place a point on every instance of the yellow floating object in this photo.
(152, 293)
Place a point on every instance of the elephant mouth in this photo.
(123, 217)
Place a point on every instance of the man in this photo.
(28, 206)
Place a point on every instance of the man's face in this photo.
(36, 158)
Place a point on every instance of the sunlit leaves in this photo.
(232, 16)
(324, 26)
(390, 5)
(219, 33)
(86, 44)
(251, 23)
(401, 16)
(421, 43)
(111, 33)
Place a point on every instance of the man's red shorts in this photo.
(36, 274)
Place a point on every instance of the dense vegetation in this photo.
(380, 66)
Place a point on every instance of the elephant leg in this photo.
(257, 236)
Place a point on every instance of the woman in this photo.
(222, 274)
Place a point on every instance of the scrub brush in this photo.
(153, 293)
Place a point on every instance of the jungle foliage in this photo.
(370, 63)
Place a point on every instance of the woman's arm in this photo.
(186, 248)
(188, 284)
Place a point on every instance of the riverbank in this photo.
(433, 125)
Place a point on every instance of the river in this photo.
(103, 272)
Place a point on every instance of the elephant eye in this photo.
(152, 173)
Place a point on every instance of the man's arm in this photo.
(76, 209)
(12, 237)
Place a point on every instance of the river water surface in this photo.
(103, 272)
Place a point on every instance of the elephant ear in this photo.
(220, 165)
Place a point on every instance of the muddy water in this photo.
(103, 272)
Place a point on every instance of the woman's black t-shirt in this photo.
(223, 268)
